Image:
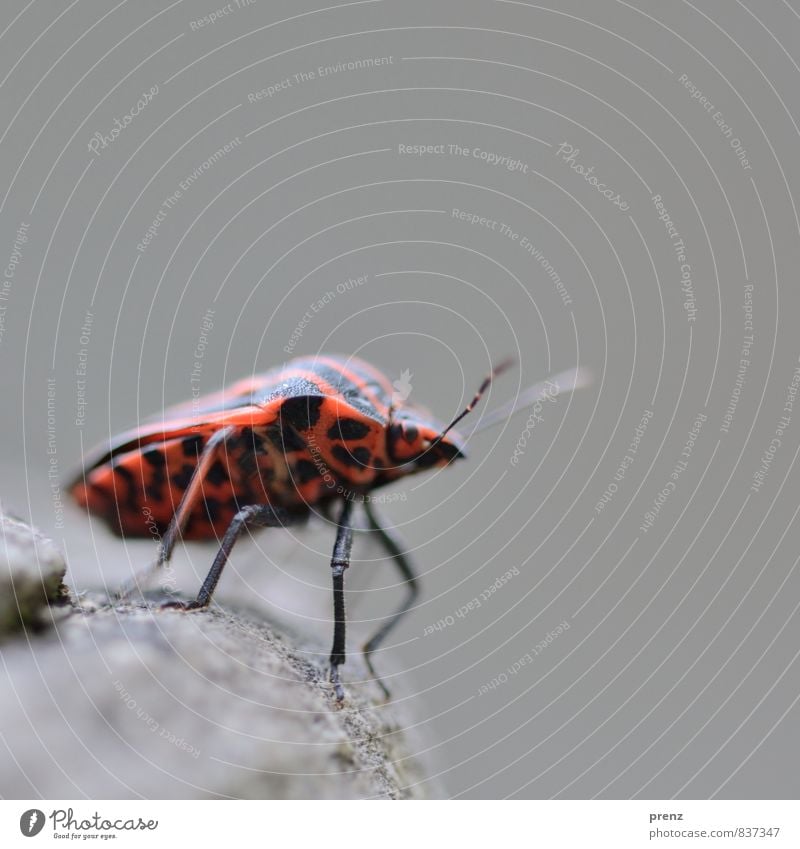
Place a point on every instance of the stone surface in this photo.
(131, 700)
(31, 576)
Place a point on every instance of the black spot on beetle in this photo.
(305, 471)
(154, 491)
(127, 475)
(301, 412)
(244, 448)
(123, 472)
(217, 475)
(157, 462)
(348, 429)
(356, 457)
(155, 458)
(181, 479)
(258, 440)
(214, 509)
(192, 446)
(287, 439)
(233, 505)
(266, 472)
(410, 434)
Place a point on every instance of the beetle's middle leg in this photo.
(339, 563)
(256, 515)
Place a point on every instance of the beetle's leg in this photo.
(394, 548)
(193, 493)
(191, 496)
(339, 562)
(256, 515)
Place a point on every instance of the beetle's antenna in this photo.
(496, 370)
(545, 390)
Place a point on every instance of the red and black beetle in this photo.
(263, 453)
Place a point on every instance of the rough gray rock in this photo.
(130, 700)
(31, 576)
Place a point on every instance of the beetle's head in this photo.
(415, 442)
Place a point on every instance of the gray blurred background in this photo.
(636, 631)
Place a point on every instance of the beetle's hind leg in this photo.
(394, 549)
(191, 496)
(256, 516)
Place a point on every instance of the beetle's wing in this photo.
(168, 430)
(237, 405)
(137, 483)
(280, 408)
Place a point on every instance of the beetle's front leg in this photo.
(339, 563)
(191, 497)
